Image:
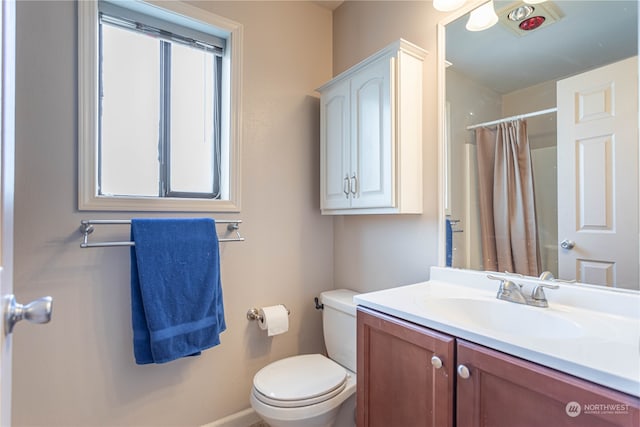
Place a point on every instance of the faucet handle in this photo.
(506, 285)
(502, 279)
(547, 275)
(546, 285)
(538, 292)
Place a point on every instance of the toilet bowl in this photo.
(312, 390)
(300, 391)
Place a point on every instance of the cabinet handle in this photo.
(436, 362)
(346, 186)
(464, 372)
(354, 185)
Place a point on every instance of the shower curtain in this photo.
(507, 207)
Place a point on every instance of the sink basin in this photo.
(504, 317)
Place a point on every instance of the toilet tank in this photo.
(339, 326)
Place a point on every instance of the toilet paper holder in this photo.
(254, 313)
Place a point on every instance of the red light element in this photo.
(531, 23)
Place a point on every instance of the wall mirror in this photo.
(573, 79)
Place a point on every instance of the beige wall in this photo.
(381, 251)
(79, 369)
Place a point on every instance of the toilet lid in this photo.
(299, 380)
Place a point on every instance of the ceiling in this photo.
(588, 34)
(329, 4)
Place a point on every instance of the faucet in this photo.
(512, 292)
(547, 275)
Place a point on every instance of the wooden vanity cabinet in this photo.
(398, 385)
(505, 391)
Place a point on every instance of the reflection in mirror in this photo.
(542, 142)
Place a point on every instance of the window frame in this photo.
(88, 110)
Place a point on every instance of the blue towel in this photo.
(449, 239)
(176, 293)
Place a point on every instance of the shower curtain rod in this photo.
(517, 117)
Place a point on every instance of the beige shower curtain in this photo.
(507, 207)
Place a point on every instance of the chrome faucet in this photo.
(547, 275)
(512, 292)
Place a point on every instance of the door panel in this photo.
(398, 383)
(504, 391)
(598, 175)
(371, 151)
(7, 136)
(335, 127)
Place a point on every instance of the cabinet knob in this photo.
(463, 372)
(436, 362)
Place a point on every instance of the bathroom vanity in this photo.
(448, 353)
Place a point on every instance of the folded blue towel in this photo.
(176, 293)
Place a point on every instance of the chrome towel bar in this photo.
(86, 228)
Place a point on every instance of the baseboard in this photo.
(244, 418)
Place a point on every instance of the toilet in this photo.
(311, 389)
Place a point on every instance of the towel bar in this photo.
(86, 228)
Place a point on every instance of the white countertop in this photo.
(597, 339)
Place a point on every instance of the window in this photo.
(158, 109)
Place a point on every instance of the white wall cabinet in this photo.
(371, 135)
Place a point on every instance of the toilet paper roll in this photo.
(275, 319)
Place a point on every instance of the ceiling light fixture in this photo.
(520, 13)
(482, 18)
(531, 23)
(447, 5)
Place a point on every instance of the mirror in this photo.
(504, 72)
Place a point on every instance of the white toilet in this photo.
(311, 389)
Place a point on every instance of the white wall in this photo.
(79, 369)
(381, 251)
(471, 103)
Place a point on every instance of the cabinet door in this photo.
(372, 171)
(335, 136)
(504, 391)
(398, 386)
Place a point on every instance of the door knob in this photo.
(567, 244)
(463, 372)
(38, 311)
(436, 362)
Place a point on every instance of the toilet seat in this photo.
(299, 381)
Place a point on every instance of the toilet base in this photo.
(336, 412)
(347, 414)
(328, 420)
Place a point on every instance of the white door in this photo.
(7, 96)
(598, 175)
(38, 311)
